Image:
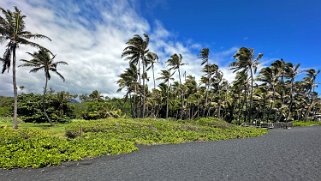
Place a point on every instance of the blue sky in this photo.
(90, 35)
(288, 29)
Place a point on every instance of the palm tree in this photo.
(166, 76)
(270, 76)
(136, 52)
(247, 62)
(291, 72)
(175, 62)
(129, 79)
(12, 30)
(280, 65)
(42, 60)
(151, 58)
(204, 56)
(310, 82)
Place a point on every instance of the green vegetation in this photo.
(274, 94)
(306, 123)
(39, 145)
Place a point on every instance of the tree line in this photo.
(275, 93)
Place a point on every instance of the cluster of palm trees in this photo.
(273, 94)
(13, 32)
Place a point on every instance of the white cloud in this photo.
(92, 47)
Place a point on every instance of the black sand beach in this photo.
(293, 154)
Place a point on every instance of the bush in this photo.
(99, 110)
(58, 108)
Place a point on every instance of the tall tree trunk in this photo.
(291, 100)
(139, 102)
(246, 104)
(272, 103)
(15, 92)
(44, 103)
(144, 96)
(310, 103)
(153, 76)
(131, 105)
(167, 100)
(251, 98)
(182, 100)
(207, 88)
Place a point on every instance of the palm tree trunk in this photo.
(15, 92)
(153, 76)
(207, 89)
(219, 104)
(139, 111)
(182, 100)
(291, 100)
(131, 105)
(154, 104)
(272, 103)
(43, 101)
(251, 98)
(167, 100)
(246, 104)
(144, 97)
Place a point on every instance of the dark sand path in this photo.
(293, 154)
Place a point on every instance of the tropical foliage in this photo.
(273, 94)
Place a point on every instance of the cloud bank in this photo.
(90, 36)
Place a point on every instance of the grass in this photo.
(39, 145)
(306, 123)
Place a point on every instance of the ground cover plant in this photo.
(39, 145)
(306, 123)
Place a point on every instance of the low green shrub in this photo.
(30, 148)
(38, 148)
(306, 123)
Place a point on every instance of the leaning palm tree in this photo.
(245, 61)
(291, 72)
(310, 84)
(151, 58)
(128, 79)
(166, 76)
(204, 56)
(12, 30)
(175, 62)
(269, 76)
(42, 60)
(135, 52)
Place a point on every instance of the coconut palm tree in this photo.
(166, 76)
(135, 52)
(246, 61)
(310, 82)
(42, 60)
(12, 31)
(270, 76)
(291, 72)
(175, 62)
(151, 58)
(128, 79)
(204, 54)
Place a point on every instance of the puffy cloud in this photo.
(90, 36)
